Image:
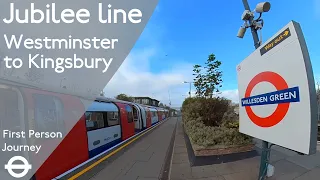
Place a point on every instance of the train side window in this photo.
(113, 118)
(48, 111)
(95, 120)
(130, 114)
(135, 114)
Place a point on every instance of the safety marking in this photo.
(283, 97)
(112, 153)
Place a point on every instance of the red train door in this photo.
(127, 123)
(159, 115)
(148, 114)
(72, 145)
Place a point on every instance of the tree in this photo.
(210, 81)
(199, 80)
(213, 76)
(124, 97)
(161, 105)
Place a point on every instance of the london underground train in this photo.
(118, 121)
(105, 123)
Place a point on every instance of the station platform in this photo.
(145, 157)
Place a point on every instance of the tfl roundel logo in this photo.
(283, 97)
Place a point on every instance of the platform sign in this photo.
(277, 92)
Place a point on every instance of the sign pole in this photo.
(253, 30)
(265, 145)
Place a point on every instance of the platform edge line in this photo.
(116, 149)
(168, 155)
(174, 143)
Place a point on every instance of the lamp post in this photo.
(189, 88)
(255, 25)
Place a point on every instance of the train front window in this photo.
(9, 110)
(95, 120)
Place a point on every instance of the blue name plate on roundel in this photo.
(277, 97)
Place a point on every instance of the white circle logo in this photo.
(25, 166)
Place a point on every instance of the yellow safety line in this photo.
(107, 156)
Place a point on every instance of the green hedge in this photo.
(211, 110)
(211, 122)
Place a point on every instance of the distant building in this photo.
(146, 101)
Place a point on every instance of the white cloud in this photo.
(135, 77)
(231, 94)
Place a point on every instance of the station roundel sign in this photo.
(281, 110)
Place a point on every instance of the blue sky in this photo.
(187, 32)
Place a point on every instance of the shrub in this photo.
(211, 110)
(210, 122)
(231, 118)
(210, 136)
(230, 114)
(188, 101)
(231, 124)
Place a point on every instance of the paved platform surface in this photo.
(145, 159)
(288, 165)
